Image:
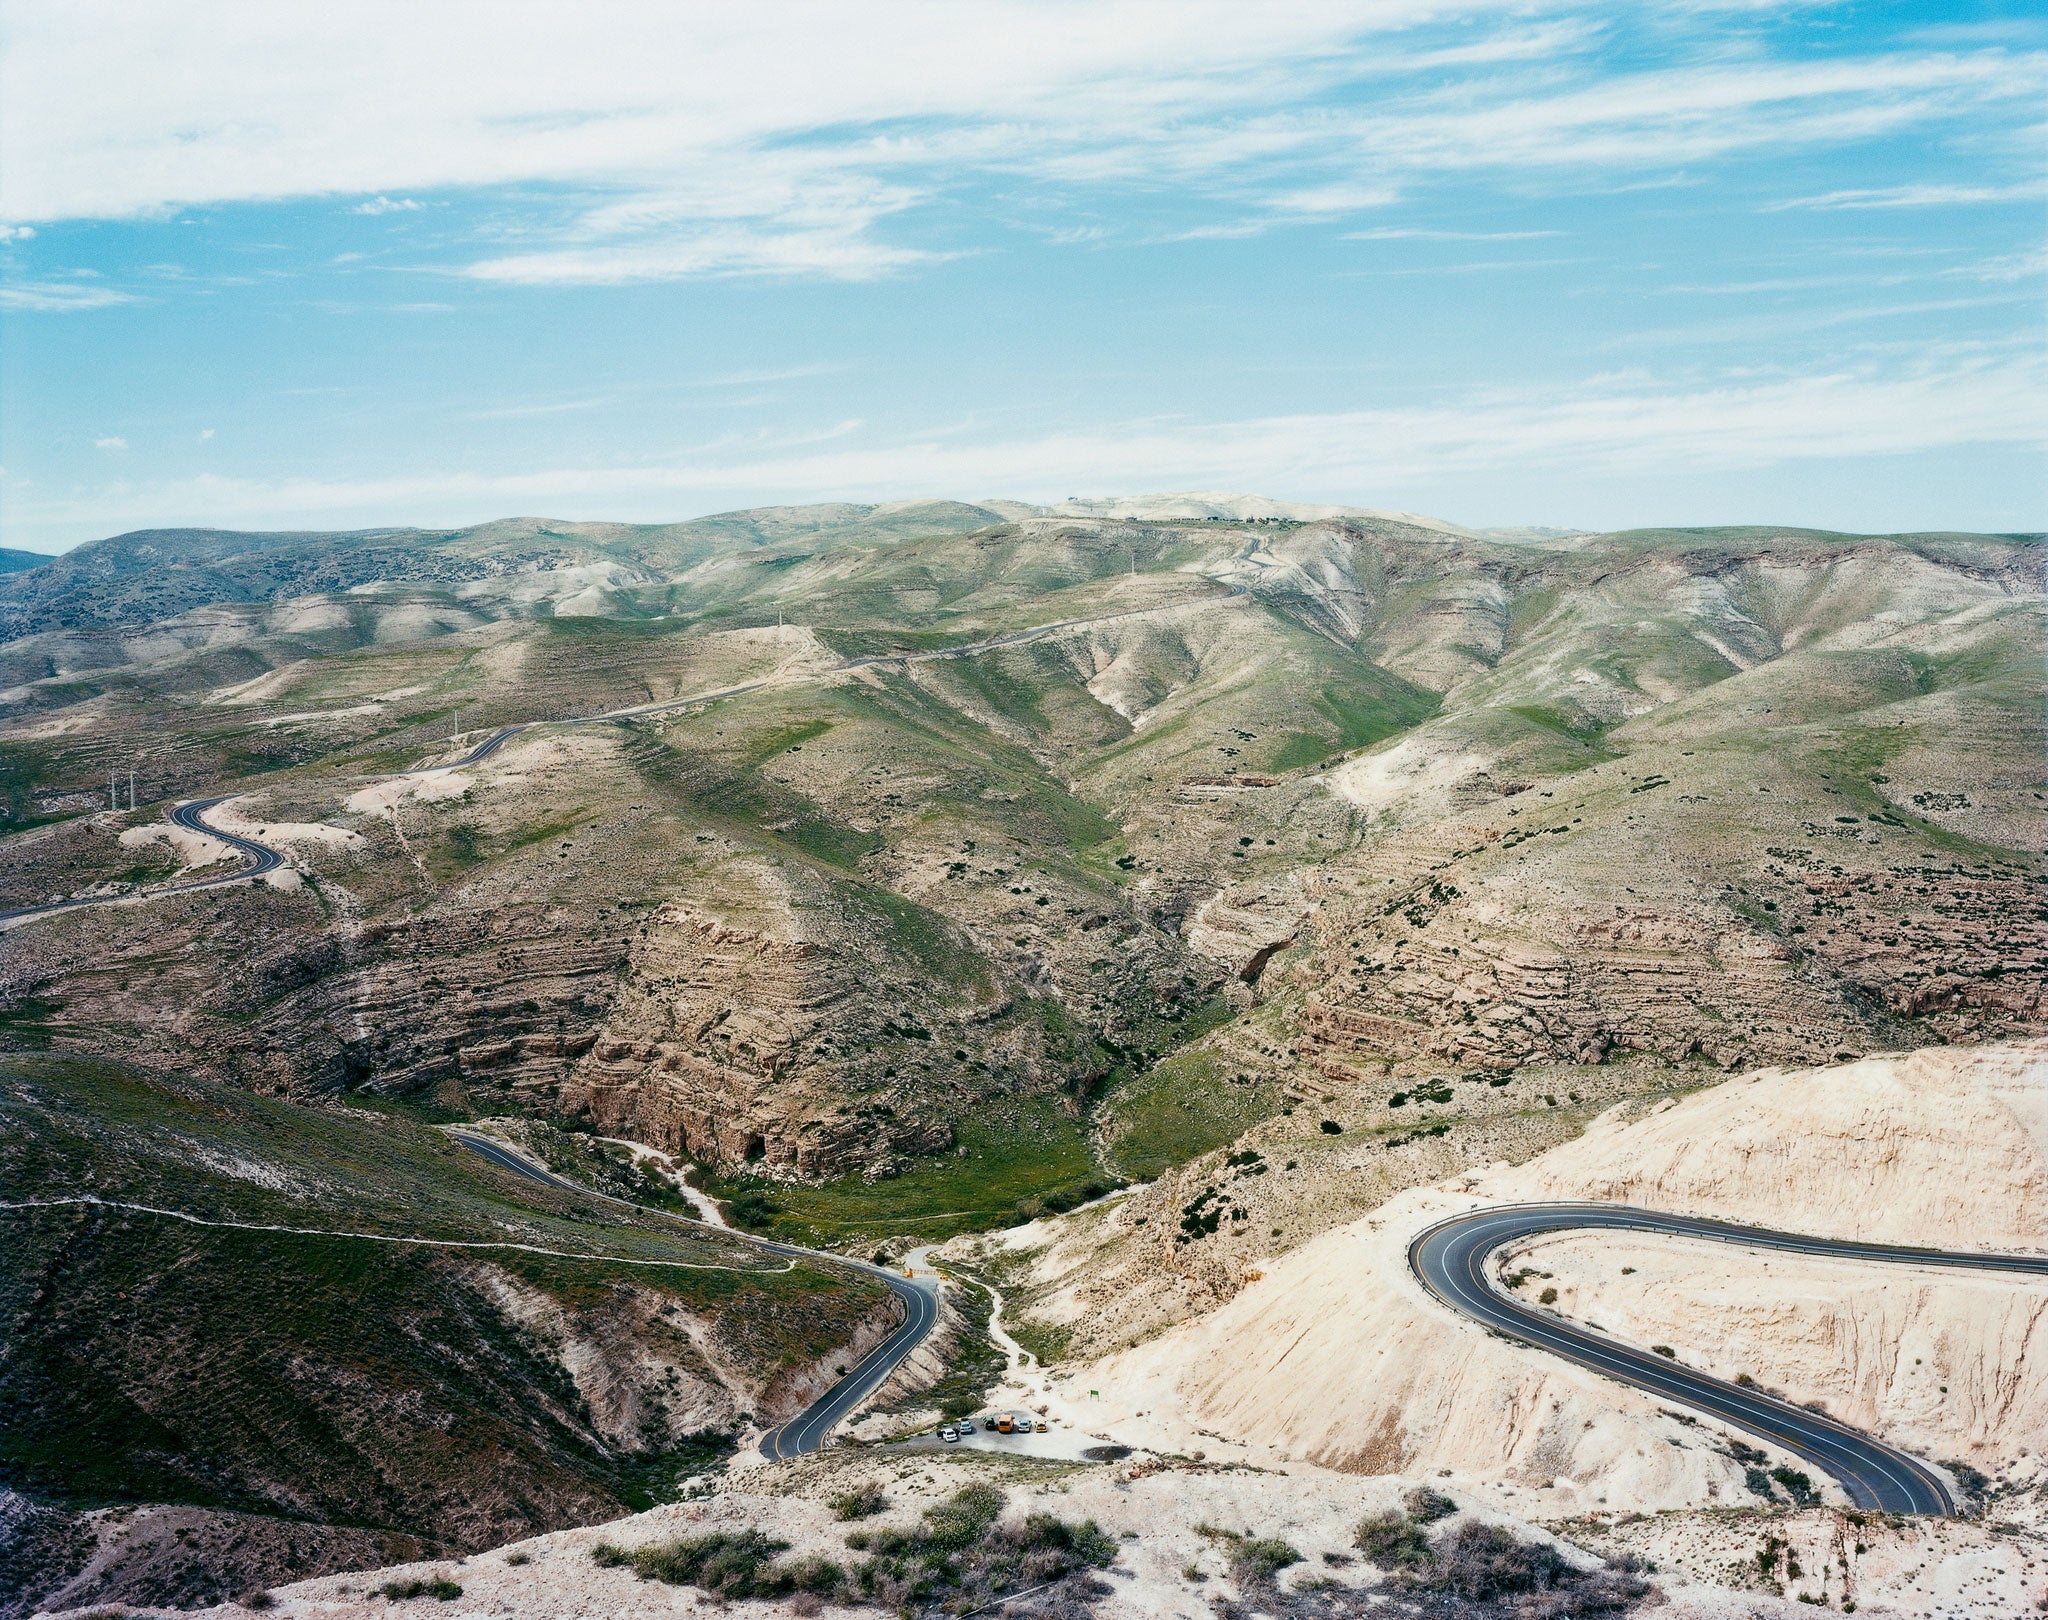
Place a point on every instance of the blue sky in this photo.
(1513, 263)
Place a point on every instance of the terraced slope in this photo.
(1340, 810)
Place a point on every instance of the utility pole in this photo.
(113, 793)
(131, 790)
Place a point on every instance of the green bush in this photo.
(1259, 1559)
(959, 1554)
(752, 1209)
(1798, 1485)
(1254, 1560)
(963, 1521)
(733, 1563)
(1392, 1540)
(862, 1502)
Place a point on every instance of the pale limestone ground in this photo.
(1917, 1568)
(1153, 1506)
(244, 817)
(193, 849)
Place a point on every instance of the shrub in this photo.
(1257, 1560)
(950, 1526)
(862, 1502)
(439, 1588)
(1482, 1561)
(960, 1555)
(1332, 1128)
(1392, 1540)
(753, 1209)
(1427, 1506)
(732, 1563)
(1798, 1485)
(814, 1576)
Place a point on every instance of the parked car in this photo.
(1043, 1428)
(989, 1423)
(1005, 1424)
(949, 1434)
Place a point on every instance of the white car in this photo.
(949, 1434)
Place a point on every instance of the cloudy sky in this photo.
(369, 264)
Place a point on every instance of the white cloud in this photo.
(780, 139)
(205, 433)
(112, 442)
(16, 233)
(58, 297)
(547, 408)
(1335, 197)
(1920, 196)
(1396, 233)
(1611, 427)
(724, 251)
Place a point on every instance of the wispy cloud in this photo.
(557, 407)
(111, 443)
(728, 251)
(706, 141)
(1604, 427)
(1469, 267)
(1918, 196)
(59, 297)
(1400, 233)
(771, 374)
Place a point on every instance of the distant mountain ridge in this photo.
(148, 575)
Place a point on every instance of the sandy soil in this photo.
(236, 816)
(193, 849)
(381, 798)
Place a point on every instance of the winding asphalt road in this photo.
(261, 858)
(1451, 1260)
(813, 1426)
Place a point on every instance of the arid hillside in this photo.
(1010, 808)
(295, 1339)
(909, 870)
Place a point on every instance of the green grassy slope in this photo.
(335, 1378)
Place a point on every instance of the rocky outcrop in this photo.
(1684, 903)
